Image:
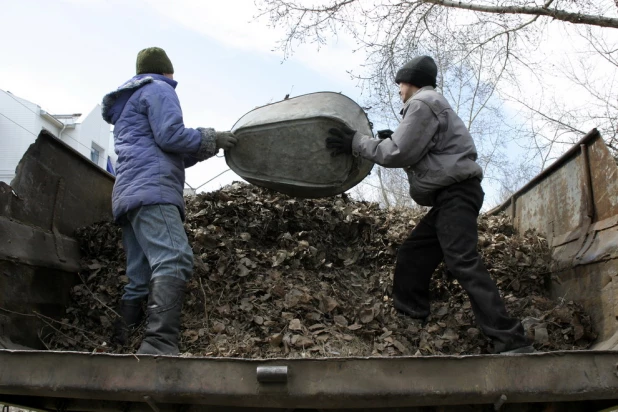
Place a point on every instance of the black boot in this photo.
(131, 312)
(164, 306)
(409, 309)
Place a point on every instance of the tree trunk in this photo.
(387, 203)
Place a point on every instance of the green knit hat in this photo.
(153, 60)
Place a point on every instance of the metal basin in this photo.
(281, 146)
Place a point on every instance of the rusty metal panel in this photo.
(559, 202)
(594, 286)
(604, 174)
(312, 383)
(555, 205)
(601, 246)
(574, 202)
(543, 220)
(586, 270)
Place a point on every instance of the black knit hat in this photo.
(421, 71)
(153, 60)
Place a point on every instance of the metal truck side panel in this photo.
(55, 191)
(574, 203)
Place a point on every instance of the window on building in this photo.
(95, 153)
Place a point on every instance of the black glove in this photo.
(340, 140)
(385, 134)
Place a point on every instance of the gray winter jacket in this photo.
(431, 143)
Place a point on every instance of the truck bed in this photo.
(574, 202)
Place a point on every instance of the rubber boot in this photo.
(131, 313)
(163, 325)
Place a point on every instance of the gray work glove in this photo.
(225, 140)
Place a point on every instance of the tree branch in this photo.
(550, 119)
(570, 17)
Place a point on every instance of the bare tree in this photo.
(483, 50)
(593, 81)
(581, 97)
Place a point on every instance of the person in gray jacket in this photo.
(434, 147)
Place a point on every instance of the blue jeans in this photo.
(156, 244)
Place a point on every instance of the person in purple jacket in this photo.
(154, 147)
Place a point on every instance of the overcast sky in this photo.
(65, 55)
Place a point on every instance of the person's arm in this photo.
(409, 143)
(170, 134)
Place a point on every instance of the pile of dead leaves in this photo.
(278, 276)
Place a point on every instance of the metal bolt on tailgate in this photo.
(272, 374)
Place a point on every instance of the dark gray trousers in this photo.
(449, 231)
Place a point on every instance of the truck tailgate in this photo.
(82, 381)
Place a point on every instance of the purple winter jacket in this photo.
(152, 143)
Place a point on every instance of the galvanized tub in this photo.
(281, 146)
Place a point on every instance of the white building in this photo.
(21, 122)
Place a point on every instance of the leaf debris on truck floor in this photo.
(277, 276)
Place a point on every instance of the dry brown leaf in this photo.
(295, 325)
(327, 304)
(218, 327)
(366, 315)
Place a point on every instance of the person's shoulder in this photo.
(157, 84)
(432, 99)
(427, 93)
(157, 88)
